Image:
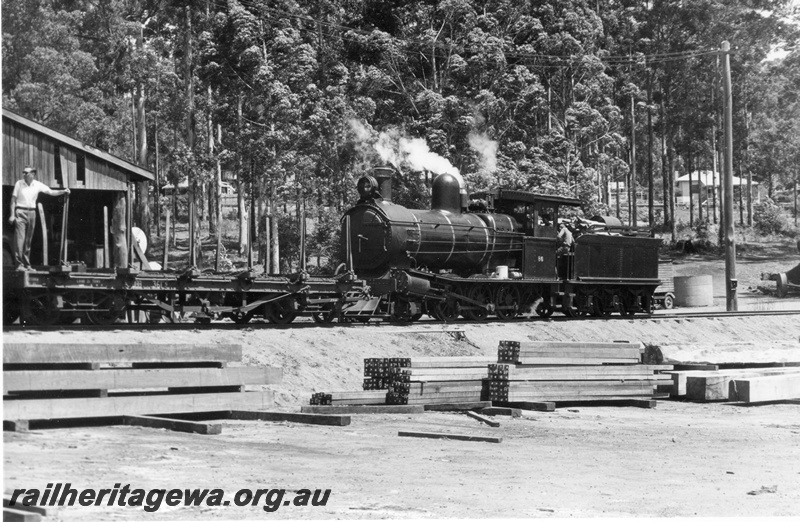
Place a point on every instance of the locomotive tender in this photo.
(498, 256)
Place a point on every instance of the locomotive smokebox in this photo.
(383, 175)
(446, 193)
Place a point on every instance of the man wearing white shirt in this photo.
(23, 214)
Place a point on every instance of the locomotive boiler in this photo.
(494, 254)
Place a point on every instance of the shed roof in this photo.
(137, 173)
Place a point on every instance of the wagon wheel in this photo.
(507, 302)
(782, 283)
(41, 309)
(568, 307)
(481, 294)
(326, 315)
(401, 311)
(11, 308)
(598, 308)
(544, 309)
(627, 305)
(242, 317)
(446, 310)
(280, 312)
(112, 307)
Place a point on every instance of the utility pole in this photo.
(731, 300)
(632, 189)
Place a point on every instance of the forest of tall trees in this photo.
(294, 100)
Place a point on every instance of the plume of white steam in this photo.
(394, 148)
(486, 149)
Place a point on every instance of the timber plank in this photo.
(496, 410)
(16, 425)
(451, 436)
(355, 410)
(481, 418)
(533, 405)
(42, 510)
(19, 353)
(458, 406)
(18, 515)
(133, 405)
(768, 388)
(116, 379)
(304, 418)
(186, 426)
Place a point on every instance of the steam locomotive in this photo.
(496, 254)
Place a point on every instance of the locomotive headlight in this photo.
(367, 186)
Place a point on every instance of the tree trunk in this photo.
(240, 181)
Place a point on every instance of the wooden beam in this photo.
(172, 424)
(134, 405)
(715, 386)
(481, 418)
(450, 436)
(51, 353)
(533, 405)
(762, 389)
(458, 406)
(304, 418)
(496, 410)
(18, 515)
(16, 425)
(42, 510)
(358, 410)
(116, 379)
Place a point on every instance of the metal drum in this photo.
(694, 291)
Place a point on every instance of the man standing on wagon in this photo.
(23, 214)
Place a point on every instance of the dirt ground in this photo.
(679, 459)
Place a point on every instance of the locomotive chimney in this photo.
(383, 175)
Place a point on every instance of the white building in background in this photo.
(705, 183)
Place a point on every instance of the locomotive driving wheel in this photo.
(507, 302)
(401, 311)
(41, 309)
(446, 310)
(280, 312)
(482, 294)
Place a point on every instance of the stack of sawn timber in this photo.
(415, 380)
(712, 383)
(567, 372)
(44, 381)
(440, 380)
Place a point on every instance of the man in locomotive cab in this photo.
(565, 239)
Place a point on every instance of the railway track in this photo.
(302, 323)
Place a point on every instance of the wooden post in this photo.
(106, 263)
(731, 300)
(165, 259)
(45, 243)
(129, 218)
